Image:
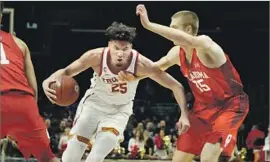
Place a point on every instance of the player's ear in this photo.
(189, 29)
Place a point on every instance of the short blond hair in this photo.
(189, 18)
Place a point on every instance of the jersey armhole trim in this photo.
(101, 63)
(136, 63)
(16, 45)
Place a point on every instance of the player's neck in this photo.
(188, 51)
(115, 69)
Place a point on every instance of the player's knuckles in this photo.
(52, 91)
(51, 95)
(120, 75)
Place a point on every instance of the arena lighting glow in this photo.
(31, 25)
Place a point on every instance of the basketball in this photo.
(67, 90)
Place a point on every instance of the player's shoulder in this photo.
(174, 50)
(143, 62)
(140, 57)
(206, 42)
(96, 52)
(92, 56)
(204, 38)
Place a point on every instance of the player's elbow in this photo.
(161, 64)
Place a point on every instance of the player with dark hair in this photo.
(107, 105)
(221, 104)
(20, 117)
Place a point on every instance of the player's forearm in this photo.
(31, 77)
(179, 94)
(141, 77)
(33, 85)
(58, 73)
(158, 64)
(171, 34)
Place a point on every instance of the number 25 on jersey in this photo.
(120, 87)
(3, 57)
(202, 87)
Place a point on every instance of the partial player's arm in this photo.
(89, 59)
(146, 67)
(28, 66)
(202, 42)
(172, 58)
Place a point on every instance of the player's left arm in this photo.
(203, 42)
(146, 67)
(28, 66)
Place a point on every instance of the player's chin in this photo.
(119, 64)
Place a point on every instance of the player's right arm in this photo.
(146, 67)
(171, 59)
(89, 59)
(28, 65)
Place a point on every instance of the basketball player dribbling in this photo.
(220, 104)
(106, 107)
(20, 118)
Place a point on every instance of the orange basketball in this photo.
(67, 90)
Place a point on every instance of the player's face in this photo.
(120, 51)
(178, 23)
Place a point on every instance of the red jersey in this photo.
(12, 65)
(210, 85)
(253, 135)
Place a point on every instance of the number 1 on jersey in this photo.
(3, 57)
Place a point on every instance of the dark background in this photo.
(240, 28)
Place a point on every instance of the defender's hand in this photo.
(183, 124)
(142, 12)
(126, 76)
(50, 93)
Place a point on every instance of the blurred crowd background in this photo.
(59, 32)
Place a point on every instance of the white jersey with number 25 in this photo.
(107, 87)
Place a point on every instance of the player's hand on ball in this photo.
(142, 12)
(126, 76)
(183, 124)
(50, 93)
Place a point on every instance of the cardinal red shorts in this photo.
(20, 119)
(215, 124)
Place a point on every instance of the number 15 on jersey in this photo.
(201, 86)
